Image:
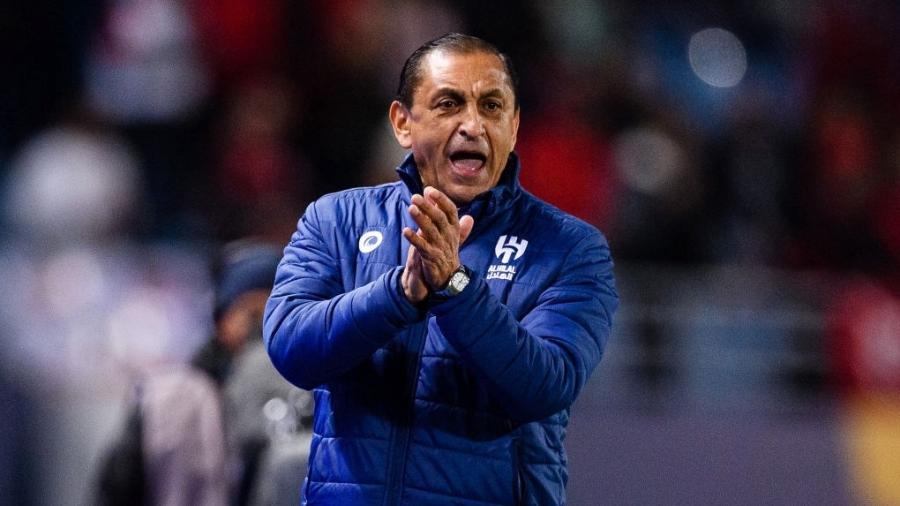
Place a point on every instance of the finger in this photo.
(408, 267)
(427, 254)
(426, 225)
(413, 268)
(416, 257)
(418, 242)
(413, 264)
(466, 223)
(426, 208)
(410, 257)
(436, 213)
(443, 202)
(414, 286)
(413, 237)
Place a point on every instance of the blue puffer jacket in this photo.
(465, 402)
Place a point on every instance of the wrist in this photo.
(409, 296)
(457, 282)
(442, 284)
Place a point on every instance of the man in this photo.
(172, 449)
(447, 322)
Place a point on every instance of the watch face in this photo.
(459, 281)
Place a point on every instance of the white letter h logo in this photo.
(506, 249)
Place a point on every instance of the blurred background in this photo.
(743, 159)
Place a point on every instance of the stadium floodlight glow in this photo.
(717, 57)
(650, 161)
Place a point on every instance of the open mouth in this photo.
(467, 162)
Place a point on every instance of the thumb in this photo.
(410, 260)
(465, 227)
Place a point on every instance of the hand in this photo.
(414, 287)
(437, 241)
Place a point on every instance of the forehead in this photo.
(474, 72)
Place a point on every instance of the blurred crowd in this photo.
(137, 136)
(763, 132)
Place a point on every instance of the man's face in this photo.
(462, 125)
(242, 319)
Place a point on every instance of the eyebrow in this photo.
(447, 91)
(458, 95)
(494, 93)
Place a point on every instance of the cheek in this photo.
(429, 146)
(503, 139)
(233, 329)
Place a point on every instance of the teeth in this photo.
(468, 156)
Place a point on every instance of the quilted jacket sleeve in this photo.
(314, 330)
(538, 366)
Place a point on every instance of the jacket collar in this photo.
(496, 199)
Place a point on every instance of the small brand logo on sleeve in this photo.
(369, 241)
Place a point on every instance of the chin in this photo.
(463, 196)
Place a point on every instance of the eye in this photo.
(447, 103)
(492, 106)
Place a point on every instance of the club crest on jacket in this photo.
(508, 248)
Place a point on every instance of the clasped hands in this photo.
(434, 254)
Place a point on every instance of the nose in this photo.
(472, 125)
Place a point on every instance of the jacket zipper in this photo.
(520, 492)
(400, 440)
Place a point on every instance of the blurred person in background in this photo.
(267, 429)
(192, 436)
(92, 307)
(444, 360)
(145, 71)
(261, 180)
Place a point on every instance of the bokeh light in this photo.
(649, 160)
(717, 57)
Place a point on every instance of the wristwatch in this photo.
(457, 283)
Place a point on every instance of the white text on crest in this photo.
(505, 272)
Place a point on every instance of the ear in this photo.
(515, 129)
(400, 121)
